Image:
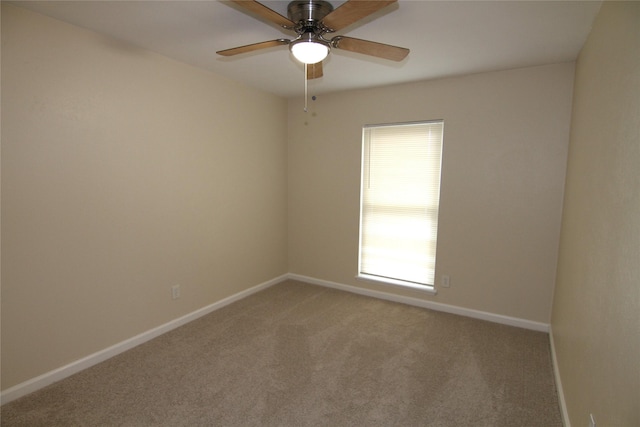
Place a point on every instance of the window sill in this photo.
(397, 283)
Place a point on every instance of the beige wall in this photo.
(124, 173)
(505, 144)
(596, 311)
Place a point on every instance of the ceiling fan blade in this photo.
(314, 71)
(264, 12)
(252, 47)
(352, 11)
(380, 50)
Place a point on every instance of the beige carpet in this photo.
(302, 355)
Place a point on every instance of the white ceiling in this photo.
(445, 38)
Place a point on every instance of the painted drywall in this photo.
(124, 173)
(505, 144)
(596, 311)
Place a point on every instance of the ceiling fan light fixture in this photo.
(309, 49)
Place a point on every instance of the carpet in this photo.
(297, 354)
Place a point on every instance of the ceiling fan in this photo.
(312, 20)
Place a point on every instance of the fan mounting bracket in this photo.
(308, 14)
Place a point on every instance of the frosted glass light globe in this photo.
(309, 52)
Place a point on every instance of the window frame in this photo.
(425, 287)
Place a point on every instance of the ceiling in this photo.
(446, 38)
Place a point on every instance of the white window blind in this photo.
(399, 202)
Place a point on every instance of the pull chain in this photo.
(305, 87)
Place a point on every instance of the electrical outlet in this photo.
(175, 292)
(592, 421)
(445, 281)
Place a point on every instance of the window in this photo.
(399, 202)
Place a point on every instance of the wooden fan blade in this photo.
(314, 71)
(264, 12)
(380, 50)
(352, 11)
(252, 47)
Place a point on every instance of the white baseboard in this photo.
(50, 377)
(556, 374)
(58, 374)
(467, 312)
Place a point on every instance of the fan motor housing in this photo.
(308, 11)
